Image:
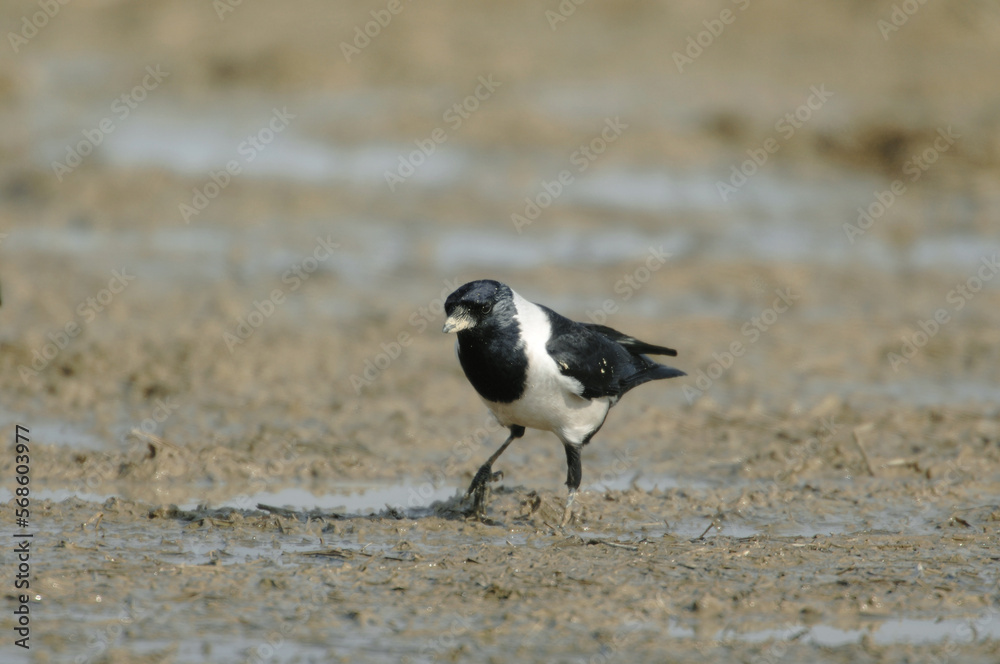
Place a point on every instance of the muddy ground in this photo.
(249, 439)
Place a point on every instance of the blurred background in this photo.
(227, 228)
(228, 220)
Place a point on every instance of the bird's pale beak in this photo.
(457, 322)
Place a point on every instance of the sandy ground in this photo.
(249, 438)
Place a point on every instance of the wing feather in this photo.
(631, 343)
(604, 361)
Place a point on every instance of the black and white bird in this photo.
(534, 368)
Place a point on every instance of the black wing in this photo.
(604, 361)
(632, 344)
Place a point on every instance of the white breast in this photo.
(551, 400)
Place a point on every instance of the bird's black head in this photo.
(478, 305)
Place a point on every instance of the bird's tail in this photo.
(654, 371)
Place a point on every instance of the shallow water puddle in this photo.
(355, 500)
(54, 431)
(886, 632)
(358, 500)
(55, 495)
(623, 482)
(416, 501)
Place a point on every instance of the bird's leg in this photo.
(479, 489)
(574, 474)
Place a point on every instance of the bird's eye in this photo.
(486, 308)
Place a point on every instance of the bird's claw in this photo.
(479, 489)
(568, 512)
(483, 476)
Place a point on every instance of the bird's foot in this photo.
(568, 512)
(480, 488)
